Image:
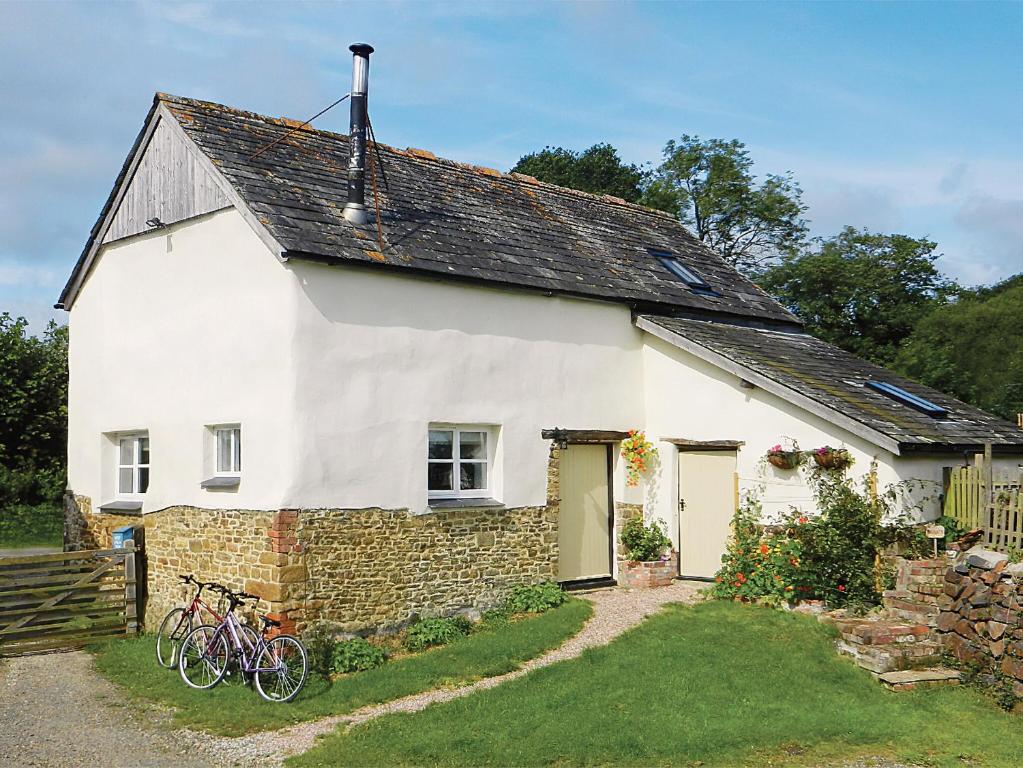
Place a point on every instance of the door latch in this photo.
(681, 505)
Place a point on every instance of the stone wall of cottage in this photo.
(232, 547)
(365, 569)
(382, 568)
(86, 529)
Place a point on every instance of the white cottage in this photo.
(372, 409)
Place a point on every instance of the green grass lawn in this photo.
(715, 684)
(235, 709)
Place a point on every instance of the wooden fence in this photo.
(977, 499)
(66, 599)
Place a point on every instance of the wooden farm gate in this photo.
(976, 498)
(66, 599)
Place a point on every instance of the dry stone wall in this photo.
(981, 619)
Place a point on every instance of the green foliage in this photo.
(756, 688)
(832, 556)
(861, 291)
(535, 598)
(356, 655)
(31, 524)
(598, 170)
(972, 348)
(643, 541)
(710, 186)
(427, 633)
(758, 565)
(953, 529)
(33, 432)
(319, 640)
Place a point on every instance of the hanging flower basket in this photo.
(783, 458)
(638, 452)
(832, 458)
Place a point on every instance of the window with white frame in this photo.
(227, 448)
(132, 465)
(458, 463)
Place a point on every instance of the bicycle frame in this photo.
(242, 646)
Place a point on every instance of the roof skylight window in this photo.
(908, 398)
(686, 274)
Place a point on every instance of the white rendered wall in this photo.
(689, 398)
(175, 330)
(379, 357)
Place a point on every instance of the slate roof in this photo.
(795, 363)
(460, 221)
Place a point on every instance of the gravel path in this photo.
(56, 712)
(614, 612)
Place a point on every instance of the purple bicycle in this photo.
(278, 665)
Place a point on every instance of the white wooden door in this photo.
(584, 525)
(707, 491)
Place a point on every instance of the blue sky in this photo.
(896, 117)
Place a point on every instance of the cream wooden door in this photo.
(706, 488)
(584, 526)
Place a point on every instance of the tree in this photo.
(33, 412)
(710, 186)
(973, 348)
(861, 291)
(598, 170)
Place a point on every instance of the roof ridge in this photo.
(422, 155)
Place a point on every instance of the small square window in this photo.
(458, 463)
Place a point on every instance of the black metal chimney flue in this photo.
(355, 208)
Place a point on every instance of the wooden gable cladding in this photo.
(168, 183)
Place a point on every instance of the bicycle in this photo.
(178, 623)
(278, 667)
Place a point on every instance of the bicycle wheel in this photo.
(203, 658)
(282, 667)
(173, 629)
(236, 675)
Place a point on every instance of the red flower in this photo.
(764, 549)
(841, 587)
(802, 520)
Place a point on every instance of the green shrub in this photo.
(644, 542)
(356, 655)
(31, 524)
(832, 556)
(319, 640)
(535, 598)
(426, 633)
(759, 565)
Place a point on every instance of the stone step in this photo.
(907, 680)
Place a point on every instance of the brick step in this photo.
(893, 656)
(881, 632)
(907, 680)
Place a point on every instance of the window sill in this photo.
(221, 482)
(122, 507)
(463, 503)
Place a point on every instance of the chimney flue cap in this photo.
(361, 49)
